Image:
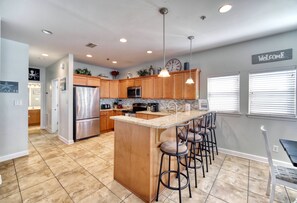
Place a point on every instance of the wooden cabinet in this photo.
(178, 86)
(141, 115)
(104, 89)
(130, 82)
(123, 89)
(147, 88)
(150, 116)
(147, 116)
(138, 82)
(103, 121)
(168, 87)
(34, 117)
(192, 91)
(113, 89)
(158, 87)
(85, 80)
(110, 122)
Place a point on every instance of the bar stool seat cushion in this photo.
(170, 148)
(191, 137)
(199, 130)
(286, 174)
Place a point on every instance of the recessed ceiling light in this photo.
(225, 8)
(47, 32)
(44, 54)
(123, 40)
(114, 62)
(149, 51)
(89, 56)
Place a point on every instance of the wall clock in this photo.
(173, 65)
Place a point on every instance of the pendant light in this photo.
(164, 72)
(190, 80)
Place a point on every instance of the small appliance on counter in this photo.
(154, 107)
(136, 107)
(105, 106)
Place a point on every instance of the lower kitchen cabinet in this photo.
(103, 121)
(147, 116)
(34, 117)
(106, 123)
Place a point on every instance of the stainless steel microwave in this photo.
(134, 92)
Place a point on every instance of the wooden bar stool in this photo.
(178, 149)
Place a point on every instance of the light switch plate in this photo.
(0, 180)
(18, 102)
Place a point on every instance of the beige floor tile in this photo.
(105, 176)
(103, 195)
(40, 191)
(87, 159)
(212, 199)
(14, 198)
(8, 188)
(119, 190)
(6, 162)
(59, 161)
(27, 160)
(237, 180)
(71, 148)
(235, 167)
(197, 196)
(228, 193)
(236, 159)
(35, 178)
(49, 154)
(67, 167)
(203, 184)
(292, 194)
(59, 196)
(162, 198)
(259, 173)
(255, 198)
(257, 164)
(26, 170)
(133, 199)
(7, 171)
(72, 176)
(77, 153)
(97, 165)
(82, 188)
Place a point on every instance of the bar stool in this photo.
(212, 128)
(202, 130)
(178, 149)
(196, 149)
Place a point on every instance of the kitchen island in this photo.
(136, 150)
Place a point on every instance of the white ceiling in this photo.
(103, 22)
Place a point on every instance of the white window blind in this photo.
(223, 93)
(273, 93)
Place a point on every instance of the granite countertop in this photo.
(159, 113)
(162, 122)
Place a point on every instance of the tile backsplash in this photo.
(164, 104)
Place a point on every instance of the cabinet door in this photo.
(104, 89)
(147, 88)
(103, 121)
(130, 83)
(178, 86)
(138, 82)
(119, 113)
(79, 80)
(93, 81)
(110, 122)
(123, 89)
(158, 88)
(113, 89)
(191, 91)
(168, 88)
(141, 115)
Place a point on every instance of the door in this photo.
(55, 106)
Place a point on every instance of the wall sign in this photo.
(9, 87)
(34, 74)
(274, 56)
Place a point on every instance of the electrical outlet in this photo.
(275, 148)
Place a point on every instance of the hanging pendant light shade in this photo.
(164, 72)
(190, 80)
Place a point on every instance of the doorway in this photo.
(34, 104)
(55, 106)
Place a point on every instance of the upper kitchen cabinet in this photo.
(123, 85)
(178, 86)
(113, 89)
(192, 91)
(158, 88)
(85, 80)
(148, 88)
(104, 87)
(138, 82)
(168, 87)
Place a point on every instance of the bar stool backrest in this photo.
(205, 121)
(213, 119)
(183, 130)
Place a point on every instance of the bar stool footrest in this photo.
(174, 172)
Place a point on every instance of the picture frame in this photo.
(203, 104)
(34, 74)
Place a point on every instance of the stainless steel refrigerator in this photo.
(86, 112)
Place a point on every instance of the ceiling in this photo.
(75, 23)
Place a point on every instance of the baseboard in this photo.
(65, 141)
(14, 155)
(254, 157)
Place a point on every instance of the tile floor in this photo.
(83, 172)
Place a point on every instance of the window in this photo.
(273, 93)
(223, 93)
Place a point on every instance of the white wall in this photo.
(240, 133)
(60, 69)
(95, 70)
(43, 119)
(14, 119)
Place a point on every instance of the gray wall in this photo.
(14, 119)
(61, 69)
(241, 133)
(95, 70)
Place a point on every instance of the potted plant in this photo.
(84, 71)
(143, 72)
(114, 73)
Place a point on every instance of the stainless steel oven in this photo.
(134, 92)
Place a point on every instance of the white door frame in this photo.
(55, 106)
